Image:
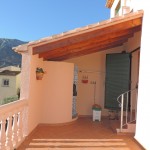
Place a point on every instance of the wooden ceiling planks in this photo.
(85, 46)
(95, 41)
(80, 44)
(86, 52)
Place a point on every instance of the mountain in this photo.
(7, 55)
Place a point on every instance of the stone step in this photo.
(129, 128)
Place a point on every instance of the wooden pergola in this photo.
(90, 39)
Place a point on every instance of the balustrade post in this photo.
(9, 132)
(14, 130)
(2, 134)
(20, 124)
(121, 123)
(127, 102)
(131, 108)
(25, 121)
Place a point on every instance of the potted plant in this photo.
(96, 107)
(39, 73)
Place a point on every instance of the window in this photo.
(5, 82)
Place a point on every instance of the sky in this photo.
(30, 20)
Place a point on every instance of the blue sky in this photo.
(30, 20)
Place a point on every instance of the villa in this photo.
(10, 83)
(106, 63)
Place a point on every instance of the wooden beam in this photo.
(90, 50)
(94, 50)
(94, 40)
(81, 47)
(100, 40)
(130, 24)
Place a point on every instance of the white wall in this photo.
(143, 119)
(112, 10)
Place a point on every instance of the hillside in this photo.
(7, 55)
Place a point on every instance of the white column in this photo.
(121, 121)
(19, 124)
(9, 132)
(2, 134)
(14, 130)
(143, 109)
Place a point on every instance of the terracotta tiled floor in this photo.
(83, 134)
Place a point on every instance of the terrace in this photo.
(81, 134)
(43, 117)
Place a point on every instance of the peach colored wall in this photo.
(57, 92)
(96, 64)
(50, 99)
(35, 94)
(85, 97)
(25, 76)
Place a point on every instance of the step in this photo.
(129, 128)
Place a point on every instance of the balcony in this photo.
(82, 133)
(13, 124)
(48, 122)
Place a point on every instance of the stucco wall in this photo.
(85, 98)
(57, 92)
(95, 64)
(143, 119)
(49, 99)
(33, 90)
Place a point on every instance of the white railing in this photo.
(12, 126)
(128, 103)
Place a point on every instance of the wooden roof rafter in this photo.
(102, 40)
(86, 40)
(85, 47)
(89, 51)
(87, 36)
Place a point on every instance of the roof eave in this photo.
(24, 48)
